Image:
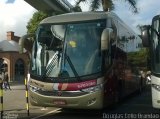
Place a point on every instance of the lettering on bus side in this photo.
(86, 84)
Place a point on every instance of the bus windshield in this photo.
(155, 46)
(67, 50)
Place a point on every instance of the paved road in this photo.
(15, 104)
(134, 107)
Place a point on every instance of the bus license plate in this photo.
(59, 102)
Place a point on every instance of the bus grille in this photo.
(62, 93)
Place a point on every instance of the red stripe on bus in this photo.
(78, 86)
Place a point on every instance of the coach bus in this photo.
(85, 60)
(151, 39)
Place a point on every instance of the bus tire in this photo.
(116, 99)
(141, 85)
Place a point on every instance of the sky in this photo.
(147, 10)
(15, 14)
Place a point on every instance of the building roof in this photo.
(6, 45)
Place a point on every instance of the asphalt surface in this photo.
(136, 106)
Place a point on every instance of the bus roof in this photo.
(79, 16)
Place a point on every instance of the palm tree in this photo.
(107, 4)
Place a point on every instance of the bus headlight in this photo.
(155, 86)
(34, 88)
(93, 89)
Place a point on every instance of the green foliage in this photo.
(139, 58)
(77, 9)
(35, 20)
(95, 4)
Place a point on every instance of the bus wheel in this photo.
(115, 101)
(140, 86)
(116, 98)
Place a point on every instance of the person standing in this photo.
(6, 80)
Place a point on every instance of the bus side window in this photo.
(157, 50)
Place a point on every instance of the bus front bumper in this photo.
(92, 100)
(155, 88)
(155, 98)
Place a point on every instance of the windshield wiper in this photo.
(71, 65)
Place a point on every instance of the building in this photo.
(51, 6)
(16, 64)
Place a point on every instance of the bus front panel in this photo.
(84, 95)
(155, 91)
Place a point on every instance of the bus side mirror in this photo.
(105, 38)
(145, 34)
(26, 42)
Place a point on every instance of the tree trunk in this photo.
(107, 5)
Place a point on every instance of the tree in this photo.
(138, 58)
(35, 20)
(107, 4)
(77, 8)
(39, 16)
